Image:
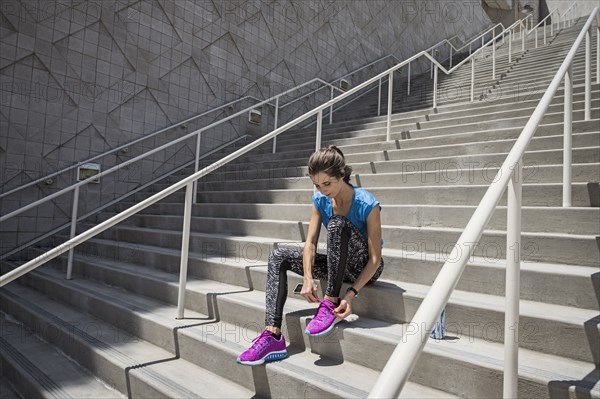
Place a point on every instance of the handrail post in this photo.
(473, 79)
(568, 141)
(598, 48)
(74, 211)
(319, 129)
(513, 264)
(450, 57)
(510, 47)
(275, 123)
(197, 164)
(331, 108)
(522, 43)
(431, 68)
(493, 59)
(482, 48)
(185, 246)
(588, 74)
(379, 99)
(545, 32)
(389, 113)
(408, 84)
(435, 86)
(536, 38)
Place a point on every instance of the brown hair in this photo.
(331, 161)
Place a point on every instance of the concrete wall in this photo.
(584, 8)
(78, 78)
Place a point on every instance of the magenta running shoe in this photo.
(324, 320)
(265, 348)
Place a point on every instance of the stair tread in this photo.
(396, 227)
(560, 269)
(177, 382)
(566, 314)
(48, 369)
(173, 372)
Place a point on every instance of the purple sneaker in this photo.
(265, 348)
(324, 320)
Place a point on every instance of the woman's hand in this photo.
(309, 290)
(344, 309)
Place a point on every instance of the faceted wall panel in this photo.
(79, 77)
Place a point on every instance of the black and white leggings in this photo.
(347, 255)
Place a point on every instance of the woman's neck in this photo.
(345, 195)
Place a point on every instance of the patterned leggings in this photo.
(347, 255)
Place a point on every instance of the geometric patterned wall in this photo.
(80, 77)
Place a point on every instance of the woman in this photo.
(352, 218)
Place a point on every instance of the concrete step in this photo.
(449, 174)
(441, 167)
(196, 343)
(490, 112)
(577, 249)
(534, 219)
(539, 66)
(522, 99)
(549, 194)
(560, 284)
(428, 143)
(552, 125)
(37, 369)
(564, 334)
(6, 390)
(507, 73)
(134, 366)
(405, 147)
(421, 152)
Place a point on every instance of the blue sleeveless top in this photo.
(363, 203)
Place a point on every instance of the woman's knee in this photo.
(282, 258)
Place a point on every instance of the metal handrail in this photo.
(75, 187)
(189, 182)
(151, 135)
(556, 10)
(403, 359)
(127, 145)
(467, 43)
(128, 194)
(144, 155)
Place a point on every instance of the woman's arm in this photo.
(374, 242)
(309, 288)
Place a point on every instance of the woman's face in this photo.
(327, 185)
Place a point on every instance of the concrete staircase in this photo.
(112, 332)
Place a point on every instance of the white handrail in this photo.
(403, 359)
(129, 193)
(74, 241)
(127, 145)
(75, 187)
(151, 135)
(277, 106)
(144, 155)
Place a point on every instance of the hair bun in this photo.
(336, 149)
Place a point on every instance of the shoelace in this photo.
(322, 314)
(259, 342)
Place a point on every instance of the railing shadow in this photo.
(581, 389)
(159, 361)
(586, 387)
(213, 317)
